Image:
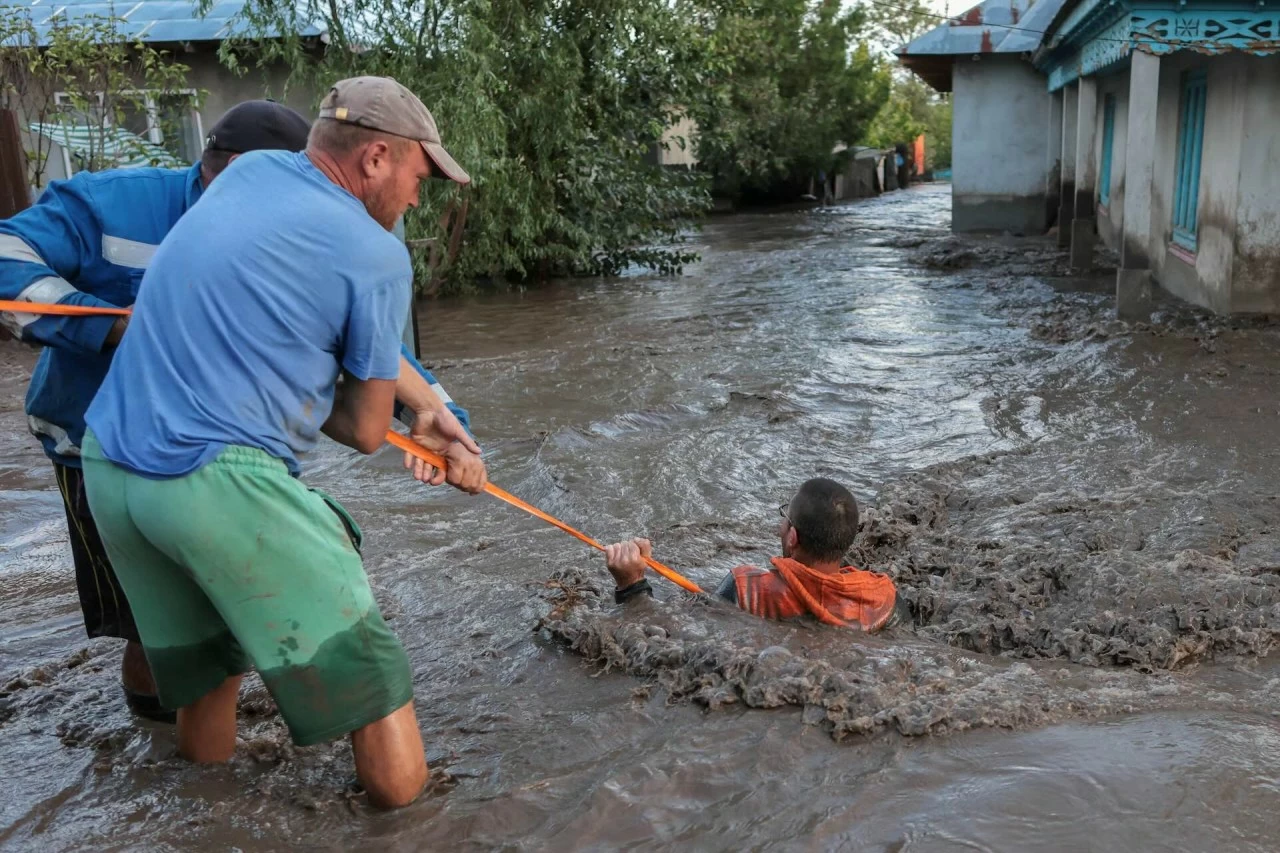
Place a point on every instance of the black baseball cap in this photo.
(258, 125)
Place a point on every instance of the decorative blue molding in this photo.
(1109, 47)
(1162, 32)
(1081, 14)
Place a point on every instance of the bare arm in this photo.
(361, 412)
(436, 428)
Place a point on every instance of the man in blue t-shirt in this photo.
(88, 241)
(272, 312)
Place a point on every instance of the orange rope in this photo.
(435, 459)
(15, 307)
(393, 438)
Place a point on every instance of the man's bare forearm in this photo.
(414, 392)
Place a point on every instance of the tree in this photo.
(912, 109)
(76, 81)
(553, 106)
(788, 80)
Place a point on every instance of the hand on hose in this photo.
(625, 560)
(439, 430)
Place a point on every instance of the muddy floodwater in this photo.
(1081, 514)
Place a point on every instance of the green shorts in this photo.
(237, 566)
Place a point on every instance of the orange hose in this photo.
(393, 438)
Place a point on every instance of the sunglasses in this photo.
(782, 511)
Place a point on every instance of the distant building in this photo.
(1158, 132)
(169, 129)
(1000, 163)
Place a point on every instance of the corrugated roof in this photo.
(993, 26)
(148, 20)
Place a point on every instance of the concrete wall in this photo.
(1111, 216)
(223, 90)
(1000, 112)
(1053, 160)
(1255, 284)
(1204, 278)
(679, 142)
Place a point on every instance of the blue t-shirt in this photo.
(262, 292)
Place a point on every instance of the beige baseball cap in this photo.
(380, 103)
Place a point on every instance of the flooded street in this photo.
(1081, 514)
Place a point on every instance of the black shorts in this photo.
(106, 610)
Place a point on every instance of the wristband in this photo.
(640, 587)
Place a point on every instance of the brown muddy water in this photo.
(1081, 514)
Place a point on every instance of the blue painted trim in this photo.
(1108, 48)
(1161, 31)
(1186, 187)
(1108, 142)
(1099, 35)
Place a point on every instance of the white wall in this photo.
(1111, 217)
(1204, 279)
(1255, 282)
(223, 89)
(999, 169)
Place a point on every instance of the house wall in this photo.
(1255, 284)
(1205, 277)
(678, 140)
(223, 89)
(1111, 216)
(999, 170)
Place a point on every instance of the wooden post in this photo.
(14, 195)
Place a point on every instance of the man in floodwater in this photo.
(272, 312)
(819, 525)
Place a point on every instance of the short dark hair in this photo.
(825, 516)
(214, 161)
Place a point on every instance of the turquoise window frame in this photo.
(1108, 142)
(1186, 185)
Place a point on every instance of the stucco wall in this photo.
(1111, 215)
(1256, 268)
(1001, 110)
(1204, 279)
(223, 89)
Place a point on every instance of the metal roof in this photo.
(993, 26)
(147, 20)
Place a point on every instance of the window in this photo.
(1108, 140)
(169, 120)
(1186, 186)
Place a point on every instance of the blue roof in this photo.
(993, 26)
(148, 20)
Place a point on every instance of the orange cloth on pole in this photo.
(853, 598)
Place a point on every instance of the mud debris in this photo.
(850, 687)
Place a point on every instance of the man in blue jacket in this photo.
(88, 241)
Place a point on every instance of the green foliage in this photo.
(786, 81)
(553, 106)
(912, 109)
(938, 134)
(558, 110)
(84, 74)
